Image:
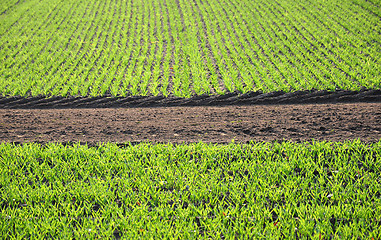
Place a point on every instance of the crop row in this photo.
(187, 48)
(310, 190)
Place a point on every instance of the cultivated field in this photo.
(153, 76)
(219, 124)
(187, 48)
(259, 190)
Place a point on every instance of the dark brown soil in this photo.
(217, 124)
(228, 99)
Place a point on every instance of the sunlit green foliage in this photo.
(313, 190)
(186, 48)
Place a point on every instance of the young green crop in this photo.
(187, 48)
(257, 190)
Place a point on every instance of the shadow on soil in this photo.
(235, 98)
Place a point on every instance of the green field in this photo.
(186, 48)
(315, 190)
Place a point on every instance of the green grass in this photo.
(186, 48)
(256, 190)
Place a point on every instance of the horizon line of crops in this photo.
(259, 190)
(185, 48)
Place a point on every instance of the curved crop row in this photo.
(186, 48)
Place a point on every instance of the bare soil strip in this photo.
(229, 99)
(216, 124)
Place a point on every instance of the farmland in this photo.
(221, 119)
(186, 48)
(319, 189)
(294, 122)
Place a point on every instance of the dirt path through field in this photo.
(333, 122)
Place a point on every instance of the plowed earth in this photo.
(234, 98)
(216, 124)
